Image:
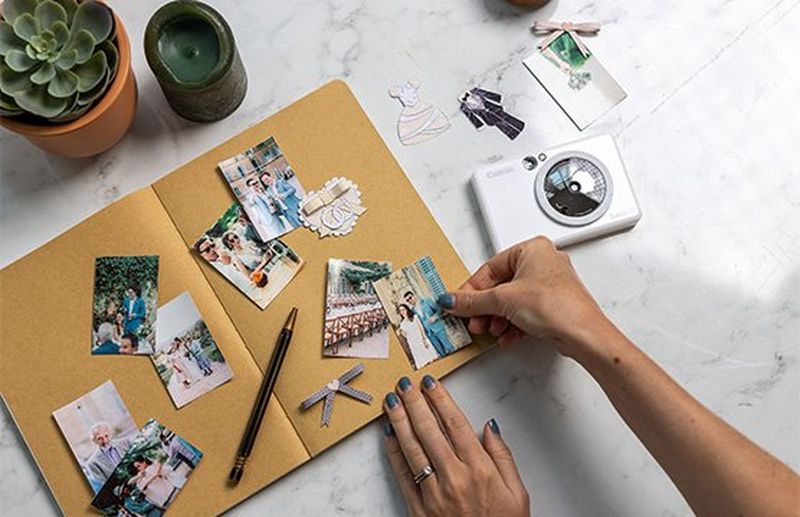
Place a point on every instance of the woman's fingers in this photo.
(455, 424)
(495, 271)
(406, 437)
(425, 425)
(501, 456)
(511, 336)
(498, 326)
(405, 478)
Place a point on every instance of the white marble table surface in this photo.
(708, 283)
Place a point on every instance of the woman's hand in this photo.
(528, 289)
(469, 477)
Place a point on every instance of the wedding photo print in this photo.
(425, 331)
(125, 302)
(258, 268)
(355, 322)
(98, 429)
(187, 357)
(267, 187)
(150, 475)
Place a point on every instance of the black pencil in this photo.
(264, 393)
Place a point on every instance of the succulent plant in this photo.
(58, 57)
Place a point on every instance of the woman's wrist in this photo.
(598, 344)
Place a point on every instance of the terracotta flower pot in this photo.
(102, 126)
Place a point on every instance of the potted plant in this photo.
(66, 82)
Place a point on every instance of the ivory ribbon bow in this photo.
(557, 29)
(329, 392)
(325, 197)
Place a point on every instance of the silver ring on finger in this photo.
(423, 474)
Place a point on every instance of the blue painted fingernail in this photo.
(494, 427)
(446, 301)
(388, 429)
(391, 400)
(404, 383)
(428, 382)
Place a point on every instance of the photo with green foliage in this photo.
(125, 304)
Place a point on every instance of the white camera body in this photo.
(570, 193)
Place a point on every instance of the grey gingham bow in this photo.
(329, 392)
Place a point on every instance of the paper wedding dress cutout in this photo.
(419, 120)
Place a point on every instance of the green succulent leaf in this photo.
(8, 106)
(47, 13)
(70, 6)
(83, 42)
(13, 9)
(60, 32)
(91, 72)
(19, 61)
(9, 40)
(112, 56)
(37, 101)
(31, 51)
(95, 18)
(67, 59)
(44, 73)
(64, 84)
(11, 82)
(95, 93)
(25, 26)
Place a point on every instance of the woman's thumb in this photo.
(471, 303)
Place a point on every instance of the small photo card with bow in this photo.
(425, 331)
(571, 74)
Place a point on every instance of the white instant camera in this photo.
(571, 193)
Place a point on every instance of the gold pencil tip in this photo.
(291, 319)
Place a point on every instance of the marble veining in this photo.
(707, 283)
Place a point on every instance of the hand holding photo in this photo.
(187, 358)
(267, 187)
(571, 74)
(355, 322)
(98, 429)
(150, 475)
(257, 268)
(425, 331)
(125, 301)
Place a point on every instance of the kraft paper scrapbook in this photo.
(46, 365)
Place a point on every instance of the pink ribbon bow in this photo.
(557, 29)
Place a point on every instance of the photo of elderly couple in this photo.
(98, 429)
(187, 357)
(124, 308)
(257, 268)
(425, 331)
(267, 188)
(150, 474)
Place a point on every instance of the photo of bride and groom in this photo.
(187, 357)
(124, 309)
(267, 188)
(150, 475)
(258, 268)
(426, 332)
